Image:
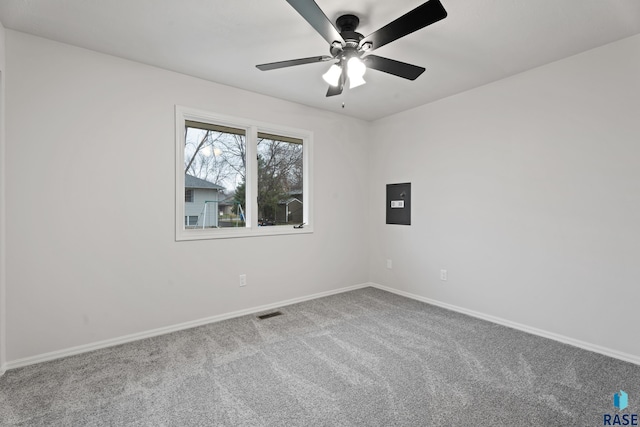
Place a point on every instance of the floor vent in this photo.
(269, 315)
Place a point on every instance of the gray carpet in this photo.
(362, 358)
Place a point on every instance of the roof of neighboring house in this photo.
(286, 202)
(191, 181)
(229, 199)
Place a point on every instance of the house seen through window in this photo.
(215, 169)
(242, 177)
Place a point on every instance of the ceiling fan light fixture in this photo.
(355, 82)
(332, 76)
(355, 71)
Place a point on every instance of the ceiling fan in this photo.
(352, 50)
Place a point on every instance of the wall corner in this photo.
(3, 228)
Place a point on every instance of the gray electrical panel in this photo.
(399, 203)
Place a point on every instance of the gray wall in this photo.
(90, 131)
(527, 191)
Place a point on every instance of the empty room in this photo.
(434, 221)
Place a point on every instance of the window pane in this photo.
(280, 183)
(191, 221)
(215, 173)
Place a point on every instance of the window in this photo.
(191, 221)
(280, 179)
(240, 178)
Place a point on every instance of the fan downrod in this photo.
(347, 23)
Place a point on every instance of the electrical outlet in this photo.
(243, 280)
(389, 264)
(443, 275)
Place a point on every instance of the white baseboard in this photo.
(192, 324)
(166, 330)
(535, 331)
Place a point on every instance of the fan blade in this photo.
(391, 66)
(292, 62)
(423, 15)
(337, 90)
(312, 13)
(334, 90)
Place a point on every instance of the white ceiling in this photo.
(481, 41)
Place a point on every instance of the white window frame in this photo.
(252, 128)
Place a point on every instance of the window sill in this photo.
(233, 233)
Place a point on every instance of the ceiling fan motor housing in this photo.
(347, 25)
